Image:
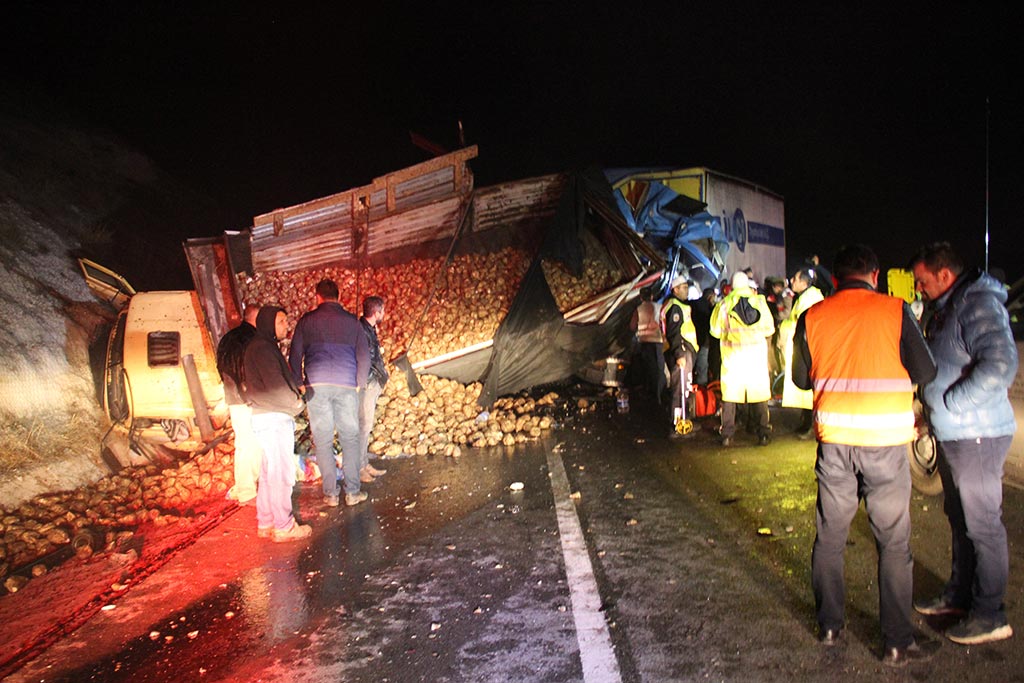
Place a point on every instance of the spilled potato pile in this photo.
(444, 418)
(471, 301)
(569, 291)
(101, 514)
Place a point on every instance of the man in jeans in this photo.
(373, 313)
(972, 419)
(329, 348)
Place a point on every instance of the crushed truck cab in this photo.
(156, 341)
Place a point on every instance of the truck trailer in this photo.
(708, 224)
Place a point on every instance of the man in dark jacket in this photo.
(329, 349)
(275, 400)
(373, 314)
(230, 355)
(970, 415)
(681, 338)
(701, 309)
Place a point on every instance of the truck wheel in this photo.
(924, 470)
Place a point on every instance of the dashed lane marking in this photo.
(596, 651)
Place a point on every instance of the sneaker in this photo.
(295, 532)
(901, 656)
(938, 606)
(727, 441)
(264, 531)
(331, 501)
(375, 471)
(976, 630)
(355, 498)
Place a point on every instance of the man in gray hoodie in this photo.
(968, 331)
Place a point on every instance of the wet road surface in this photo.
(701, 558)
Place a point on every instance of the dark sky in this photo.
(869, 118)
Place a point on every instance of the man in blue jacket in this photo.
(968, 331)
(329, 347)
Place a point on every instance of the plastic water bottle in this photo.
(622, 400)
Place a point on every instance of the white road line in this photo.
(596, 652)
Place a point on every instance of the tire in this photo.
(924, 470)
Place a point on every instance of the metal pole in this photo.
(987, 116)
(195, 390)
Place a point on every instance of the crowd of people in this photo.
(736, 337)
(335, 371)
(851, 360)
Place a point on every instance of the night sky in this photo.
(870, 121)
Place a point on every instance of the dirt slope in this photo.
(61, 191)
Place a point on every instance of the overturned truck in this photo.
(498, 289)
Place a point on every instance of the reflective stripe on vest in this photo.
(648, 326)
(687, 330)
(862, 393)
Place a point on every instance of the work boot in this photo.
(295, 532)
(365, 476)
(331, 501)
(375, 471)
(355, 498)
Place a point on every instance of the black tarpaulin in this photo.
(534, 344)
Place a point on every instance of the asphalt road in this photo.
(687, 562)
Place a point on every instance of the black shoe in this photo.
(901, 656)
(938, 607)
(805, 434)
(977, 630)
(764, 439)
(830, 637)
(727, 441)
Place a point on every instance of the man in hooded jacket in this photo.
(275, 400)
(230, 355)
(743, 322)
(969, 411)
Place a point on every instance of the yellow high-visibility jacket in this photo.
(678, 324)
(792, 395)
(744, 347)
